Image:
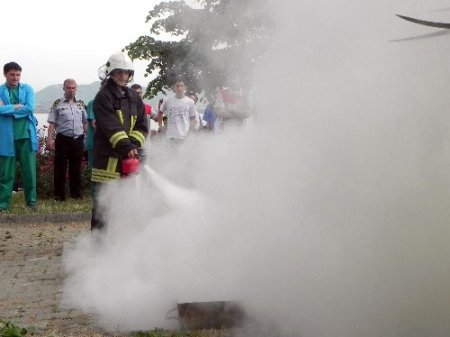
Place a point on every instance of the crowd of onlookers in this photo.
(118, 118)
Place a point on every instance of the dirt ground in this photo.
(31, 280)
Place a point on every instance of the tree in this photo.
(217, 42)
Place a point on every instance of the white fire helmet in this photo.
(117, 61)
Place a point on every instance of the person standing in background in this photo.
(138, 90)
(18, 136)
(210, 118)
(89, 144)
(148, 108)
(68, 119)
(180, 112)
(194, 97)
(162, 118)
(233, 106)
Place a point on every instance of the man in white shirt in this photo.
(180, 112)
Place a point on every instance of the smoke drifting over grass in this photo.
(328, 217)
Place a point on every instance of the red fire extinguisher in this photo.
(130, 166)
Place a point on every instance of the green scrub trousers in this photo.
(27, 160)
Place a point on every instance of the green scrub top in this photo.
(20, 125)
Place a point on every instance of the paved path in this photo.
(31, 282)
(31, 279)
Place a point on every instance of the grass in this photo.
(9, 329)
(49, 206)
(162, 333)
(156, 333)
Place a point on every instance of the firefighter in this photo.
(121, 127)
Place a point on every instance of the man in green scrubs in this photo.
(18, 136)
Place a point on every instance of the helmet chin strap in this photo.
(120, 83)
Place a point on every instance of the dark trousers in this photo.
(98, 221)
(68, 149)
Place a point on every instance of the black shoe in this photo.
(32, 206)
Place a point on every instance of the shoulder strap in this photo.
(55, 103)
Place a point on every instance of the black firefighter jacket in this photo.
(120, 127)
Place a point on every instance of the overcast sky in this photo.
(53, 40)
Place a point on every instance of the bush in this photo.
(44, 165)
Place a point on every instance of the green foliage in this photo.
(44, 173)
(217, 43)
(8, 329)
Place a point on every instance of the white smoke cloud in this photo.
(327, 217)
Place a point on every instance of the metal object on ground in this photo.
(209, 315)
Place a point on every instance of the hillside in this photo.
(85, 92)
